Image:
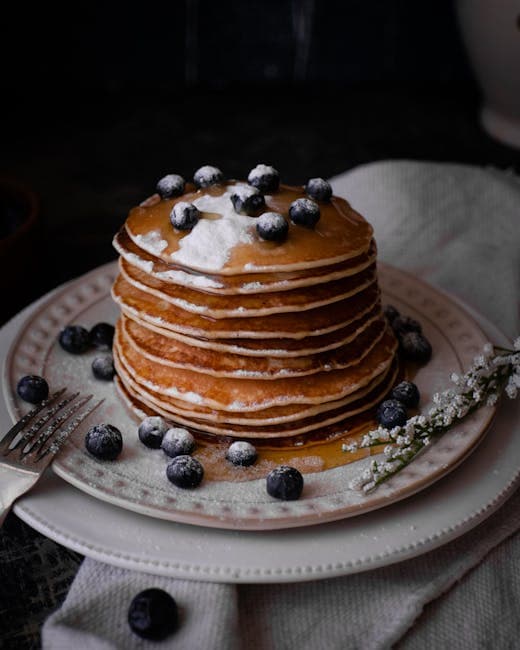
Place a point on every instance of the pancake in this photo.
(240, 284)
(178, 354)
(294, 325)
(233, 335)
(249, 394)
(341, 234)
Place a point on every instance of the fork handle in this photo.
(12, 485)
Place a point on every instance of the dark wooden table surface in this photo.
(91, 158)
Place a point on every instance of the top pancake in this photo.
(226, 243)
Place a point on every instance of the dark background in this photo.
(99, 101)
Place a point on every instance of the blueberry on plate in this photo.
(185, 472)
(170, 186)
(318, 189)
(74, 339)
(407, 393)
(402, 324)
(153, 614)
(241, 453)
(285, 483)
(104, 441)
(208, 175)
(151, 431)
(391, 313)
(391, 413)
(415, 347)
(33, 389)
(102, 336)
(247, 200)
(178, 442)
(264, 177)
(272, 226)
(184, 216)
(103, 367)
(304, 212)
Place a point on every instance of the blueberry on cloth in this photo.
(33, 389)
(407, 393)
(264, 177)
(102, 336)
(103, 367)
(285, 483)
(415, 347)
(104, 441)
(272, 226)
(152, 430)
(391, 313)
(184, 216)
(391, 413)
(185, 472)
(178, 442)
(402, 324)
(153, 614)
(74, 339)
(208, 175)
(318, 189)
(304, 212)
(247, 200)
(170, 186)
(241, 453)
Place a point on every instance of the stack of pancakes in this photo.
(230, 335)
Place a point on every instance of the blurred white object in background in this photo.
(490, 30)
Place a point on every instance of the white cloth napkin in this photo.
(458, 227)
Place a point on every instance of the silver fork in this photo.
(29, 447)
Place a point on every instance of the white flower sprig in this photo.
(495, 370)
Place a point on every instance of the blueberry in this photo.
(272, 226)
(151, 431)
(184, 216)
(407, 393)
(391, 313)
(153, 614)
(241, 453)
(170, 186)
(104, 441)
(247, 200)
(208, 175)
(74, 339)
(185, 472)
(318, 189)
(264, 177)
(103, 367)
(178, 442)
(402, 324)
(415, 347)
(391, 413)
(304, 212)
(285, 483)
(33, 389)
(102, 336)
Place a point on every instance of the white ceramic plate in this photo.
(137, 479)
(406, 529)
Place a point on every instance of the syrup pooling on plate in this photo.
(237, 332)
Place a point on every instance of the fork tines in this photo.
(38, 441)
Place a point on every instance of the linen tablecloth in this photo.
(457, 227)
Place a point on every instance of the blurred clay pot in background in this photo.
(19, 211)
(490, 30)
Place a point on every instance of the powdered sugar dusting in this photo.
(181, 277)
(210, 243)
(151, 242)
